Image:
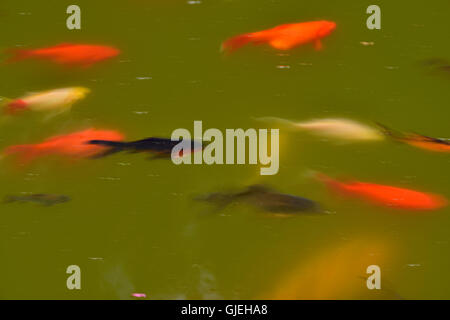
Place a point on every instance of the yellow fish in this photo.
(56, 100)
(338, 272)
(342, 129)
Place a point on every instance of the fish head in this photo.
(326, 27)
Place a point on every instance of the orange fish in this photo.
(284, 37)
(72, 145)
(67, 54)
(394, 197)
(417, 140)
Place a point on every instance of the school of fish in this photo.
(99, 143)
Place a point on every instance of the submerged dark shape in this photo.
(437, 65)
(161, 147)
(265, 199)
(434, 62)
(41, 198)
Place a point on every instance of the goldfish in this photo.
(385, 195)
(417, 140)
(41, 198)
(284, 37)
(160, 147)
(342, 129)
(67, 54)
(72, 145)
(56, 100)
(265, 199)
(335, 273)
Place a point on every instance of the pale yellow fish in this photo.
(342, 129)
(337, 128)
(57, 100)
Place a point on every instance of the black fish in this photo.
(44, 199)
(264, 199)
(161, 147)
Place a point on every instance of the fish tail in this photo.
(4, 102)
(394, 134)
(236, 42)
(9, 199)
(18, 54)
(26, 152)
(330, 182)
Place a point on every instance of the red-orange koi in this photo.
(67, 54)
(395, 197)
(284, 37)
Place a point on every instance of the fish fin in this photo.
(318, 44)
(234, 43)
(18, 54)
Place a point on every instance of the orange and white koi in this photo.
(343, 129)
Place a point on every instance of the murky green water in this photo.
(132, 225)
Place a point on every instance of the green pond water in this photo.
(132, 224)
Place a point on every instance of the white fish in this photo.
(343, 129)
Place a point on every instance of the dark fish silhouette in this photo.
(264, 199)
(41, 198)
(160, 147)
